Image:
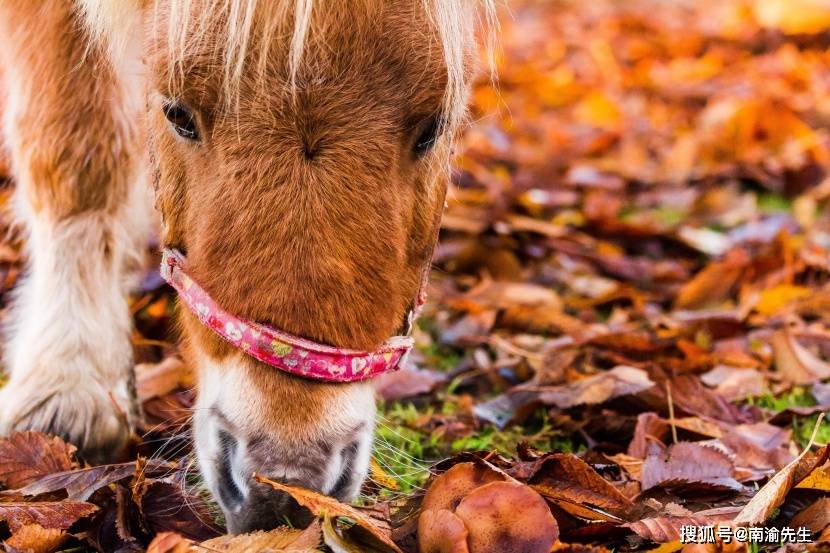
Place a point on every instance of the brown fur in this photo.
(77, 167)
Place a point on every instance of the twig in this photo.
(671, 412)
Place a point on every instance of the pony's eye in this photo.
(182, 120)
(430, 131)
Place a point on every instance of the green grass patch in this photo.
(405, 447)
(774, 203)
(797, 397)
(802, 426)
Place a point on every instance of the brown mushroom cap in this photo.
(441, 531)
(507, 517)
(448, 489)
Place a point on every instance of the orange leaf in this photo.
(323, 506)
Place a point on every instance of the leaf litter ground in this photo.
(629, 324)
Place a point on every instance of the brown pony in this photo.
(298, 152)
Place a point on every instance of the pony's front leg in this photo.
(71, 128)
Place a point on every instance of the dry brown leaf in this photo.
(816, 517)
(80, 484)
(735, 383)
(407, 382)
(619, 381)
(27, 456)
(167, 506)
(664, 529)
(279, 540)
(34, 538)
(761, 447)
(564, 477)
(321, 506)
(650, 428)
(768, 498)
(170, 542)
(49, 514)
(688, 463)
(796, 363)
(507, 517)
(714, 283)
(492, 294)
(690, 395)
(159, 379)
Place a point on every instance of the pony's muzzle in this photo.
(230, 461)
(291, 431)
(248, 505)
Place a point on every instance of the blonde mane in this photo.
(452, 20)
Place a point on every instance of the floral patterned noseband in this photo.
(279, 349)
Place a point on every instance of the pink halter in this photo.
(282, 350)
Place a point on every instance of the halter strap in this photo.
(281, 350)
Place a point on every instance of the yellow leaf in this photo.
(323, 506)
(819, 479)
(772, 300)
(794, 16)
(381, 477)
(599, 110)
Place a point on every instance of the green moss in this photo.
(773, 203)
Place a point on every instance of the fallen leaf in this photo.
(664, 529)
(714, 283)
(27, 456)
(772, 300)
(406, 382)
(735, 383)
(170, 542)
(796, 363)
(650, 428)
(48, 514)
(169, 506)
(565, 478)
(688, 463)
(760, 446)
(282, 539)
(816, 517)
(159, 379)
(819, 479)
(79, 484)
(34, 538)
(322, 506)
(616, 382)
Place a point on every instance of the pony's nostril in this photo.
(344, 482)
(229, 491)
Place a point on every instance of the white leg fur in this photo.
(70, 356)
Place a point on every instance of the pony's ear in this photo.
(114, 23)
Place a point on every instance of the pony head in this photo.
(300, 152)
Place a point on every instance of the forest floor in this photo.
(627, 343)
